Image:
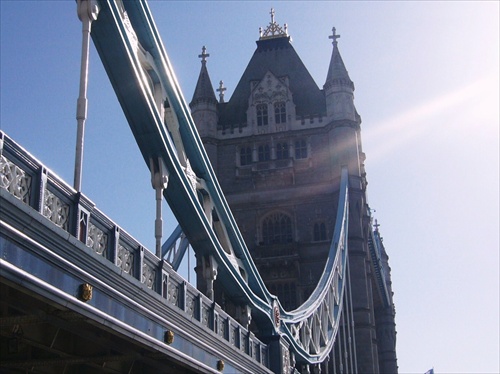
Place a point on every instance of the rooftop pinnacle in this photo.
(273, 30)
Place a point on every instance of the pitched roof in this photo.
(278, 56)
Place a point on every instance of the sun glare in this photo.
(458, 110)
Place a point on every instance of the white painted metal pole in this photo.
(159, 220)
(159, 181)
(87, 12)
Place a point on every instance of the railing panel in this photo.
(28, 181)
(15, 180)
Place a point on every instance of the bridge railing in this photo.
(29, 181)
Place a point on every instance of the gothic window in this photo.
(262, 117)
(300, 149)
(264, 153)
(245, 156)
(277, 229)
(279, 112)
(319, 233)
(282, 151)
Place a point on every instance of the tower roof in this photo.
(337, 73)
(204, 90)
(276, 54)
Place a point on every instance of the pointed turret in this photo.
(338, 88)
(339, 98)
(204, 106)
(204, 91)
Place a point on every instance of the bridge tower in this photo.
(277, 147)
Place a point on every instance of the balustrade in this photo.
(29, 181)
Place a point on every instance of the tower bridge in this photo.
(304, 286)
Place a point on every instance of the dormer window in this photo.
(262, 116)
(270, 105)
(279, 112)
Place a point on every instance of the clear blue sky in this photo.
(427, 88)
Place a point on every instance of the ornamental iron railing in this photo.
(82, 220)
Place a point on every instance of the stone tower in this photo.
(278, 146)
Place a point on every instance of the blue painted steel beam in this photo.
(153, 138)
(115, 36)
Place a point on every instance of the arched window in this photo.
(264, 153)
(282, 151)
(245, 156)
(319, 232)
(262, 117)
(277, 229)
(279, 112)
(300, 149)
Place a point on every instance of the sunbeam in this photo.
(454, 110)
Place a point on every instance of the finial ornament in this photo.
(204, 54)
(334, 36)
(221, 90)
(376, 225)
(273, 30)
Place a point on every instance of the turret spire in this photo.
(337, 68)
(204, 90)
(338, 88)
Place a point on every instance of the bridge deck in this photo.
(139, 315)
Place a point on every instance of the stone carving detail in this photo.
(173, 293)
(97, 240)
(15, 180)
(256, 351)
(270, 89)
(243, 344)
(148, 276)
(190, 305)
(233, 335)
(125, 260)
(222, 327)
(56, 210)
(205, 316)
